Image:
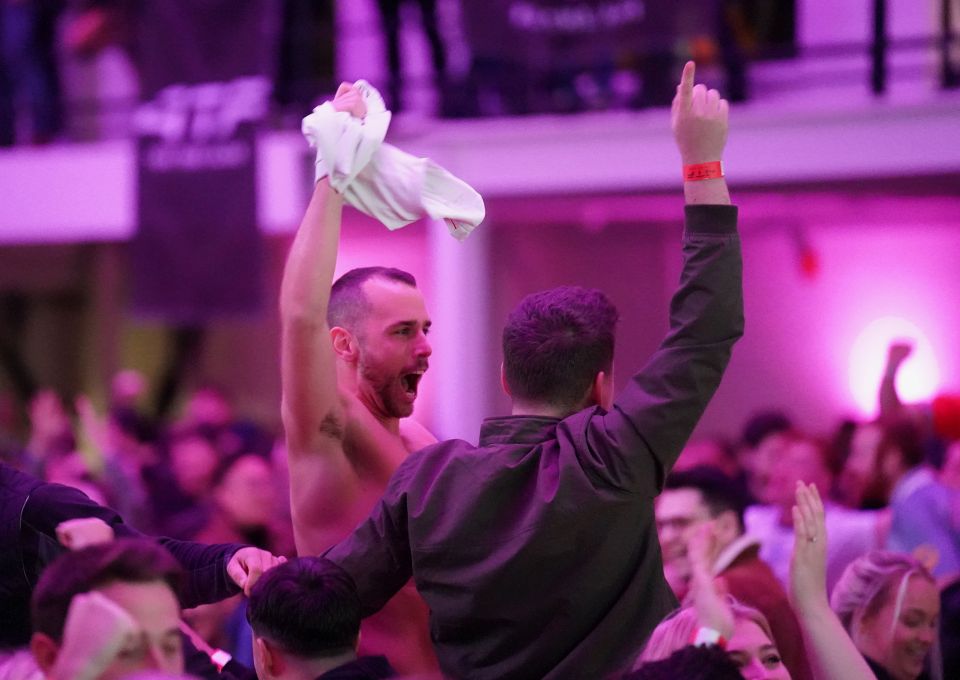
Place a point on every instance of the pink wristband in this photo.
(705, 636)
(700, 171)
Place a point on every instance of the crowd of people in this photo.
(584, 536)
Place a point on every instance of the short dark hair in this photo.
(691, 663)
(720, 492)
(308, 606)
(128, 560)
(555, 342)
(348, 304)
(763, 424)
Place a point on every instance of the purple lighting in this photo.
(918, 379)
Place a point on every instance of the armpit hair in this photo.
(332, 426)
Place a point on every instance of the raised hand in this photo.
(713, 611)
(808, 568)
(699, 119)
(897, 353)
(348, 98)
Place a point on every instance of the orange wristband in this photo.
(699, 171)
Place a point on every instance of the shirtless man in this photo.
(351, 361)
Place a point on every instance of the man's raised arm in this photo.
(656, 413)
(321, 479)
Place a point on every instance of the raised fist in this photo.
(349, 99)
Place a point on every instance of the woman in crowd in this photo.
(750, 647)
(890, 605)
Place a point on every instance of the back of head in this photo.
(869, 581)
(348, 304)
(126, 560)
(555, 343)
(308, 606)
(690, 663)
(719, 492)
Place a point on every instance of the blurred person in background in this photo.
(29, 71)
(762, 436)
(243, 499)
(242, 508)
(925, 512)
(890, 605)
(178, 483)
(390, 17)
(51, 430)
(704, 495)
(852, 532)
(709, 451)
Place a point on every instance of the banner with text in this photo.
(539, 54)
(205, 73)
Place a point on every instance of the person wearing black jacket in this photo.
(31, 510)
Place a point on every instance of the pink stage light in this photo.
(918, 378)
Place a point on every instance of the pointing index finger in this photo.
(686, 81)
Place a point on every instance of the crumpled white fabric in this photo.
(379, 179)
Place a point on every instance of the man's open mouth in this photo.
(411, 381)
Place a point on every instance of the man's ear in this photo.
(601, 390)
(45, 651)
(345, 344)
(503, 381)
(269, 659)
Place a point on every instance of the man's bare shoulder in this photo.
(414, 435)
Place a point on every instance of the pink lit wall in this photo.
(877, 256)
(801, 330)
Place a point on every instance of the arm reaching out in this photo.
(833, 655)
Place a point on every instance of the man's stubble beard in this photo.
(382, 387)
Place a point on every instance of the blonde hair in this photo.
(19, 665)
(676, 631)
(867, 584)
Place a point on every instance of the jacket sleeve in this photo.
(50, 504)
(634, 445)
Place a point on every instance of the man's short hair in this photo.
(308, 606)
(348, 304)
(126, 560)
(719, 492)
(555, 342)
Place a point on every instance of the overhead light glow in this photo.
(918, 378)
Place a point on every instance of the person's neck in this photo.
(373, 405)
(310, 669)
(541, 410)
